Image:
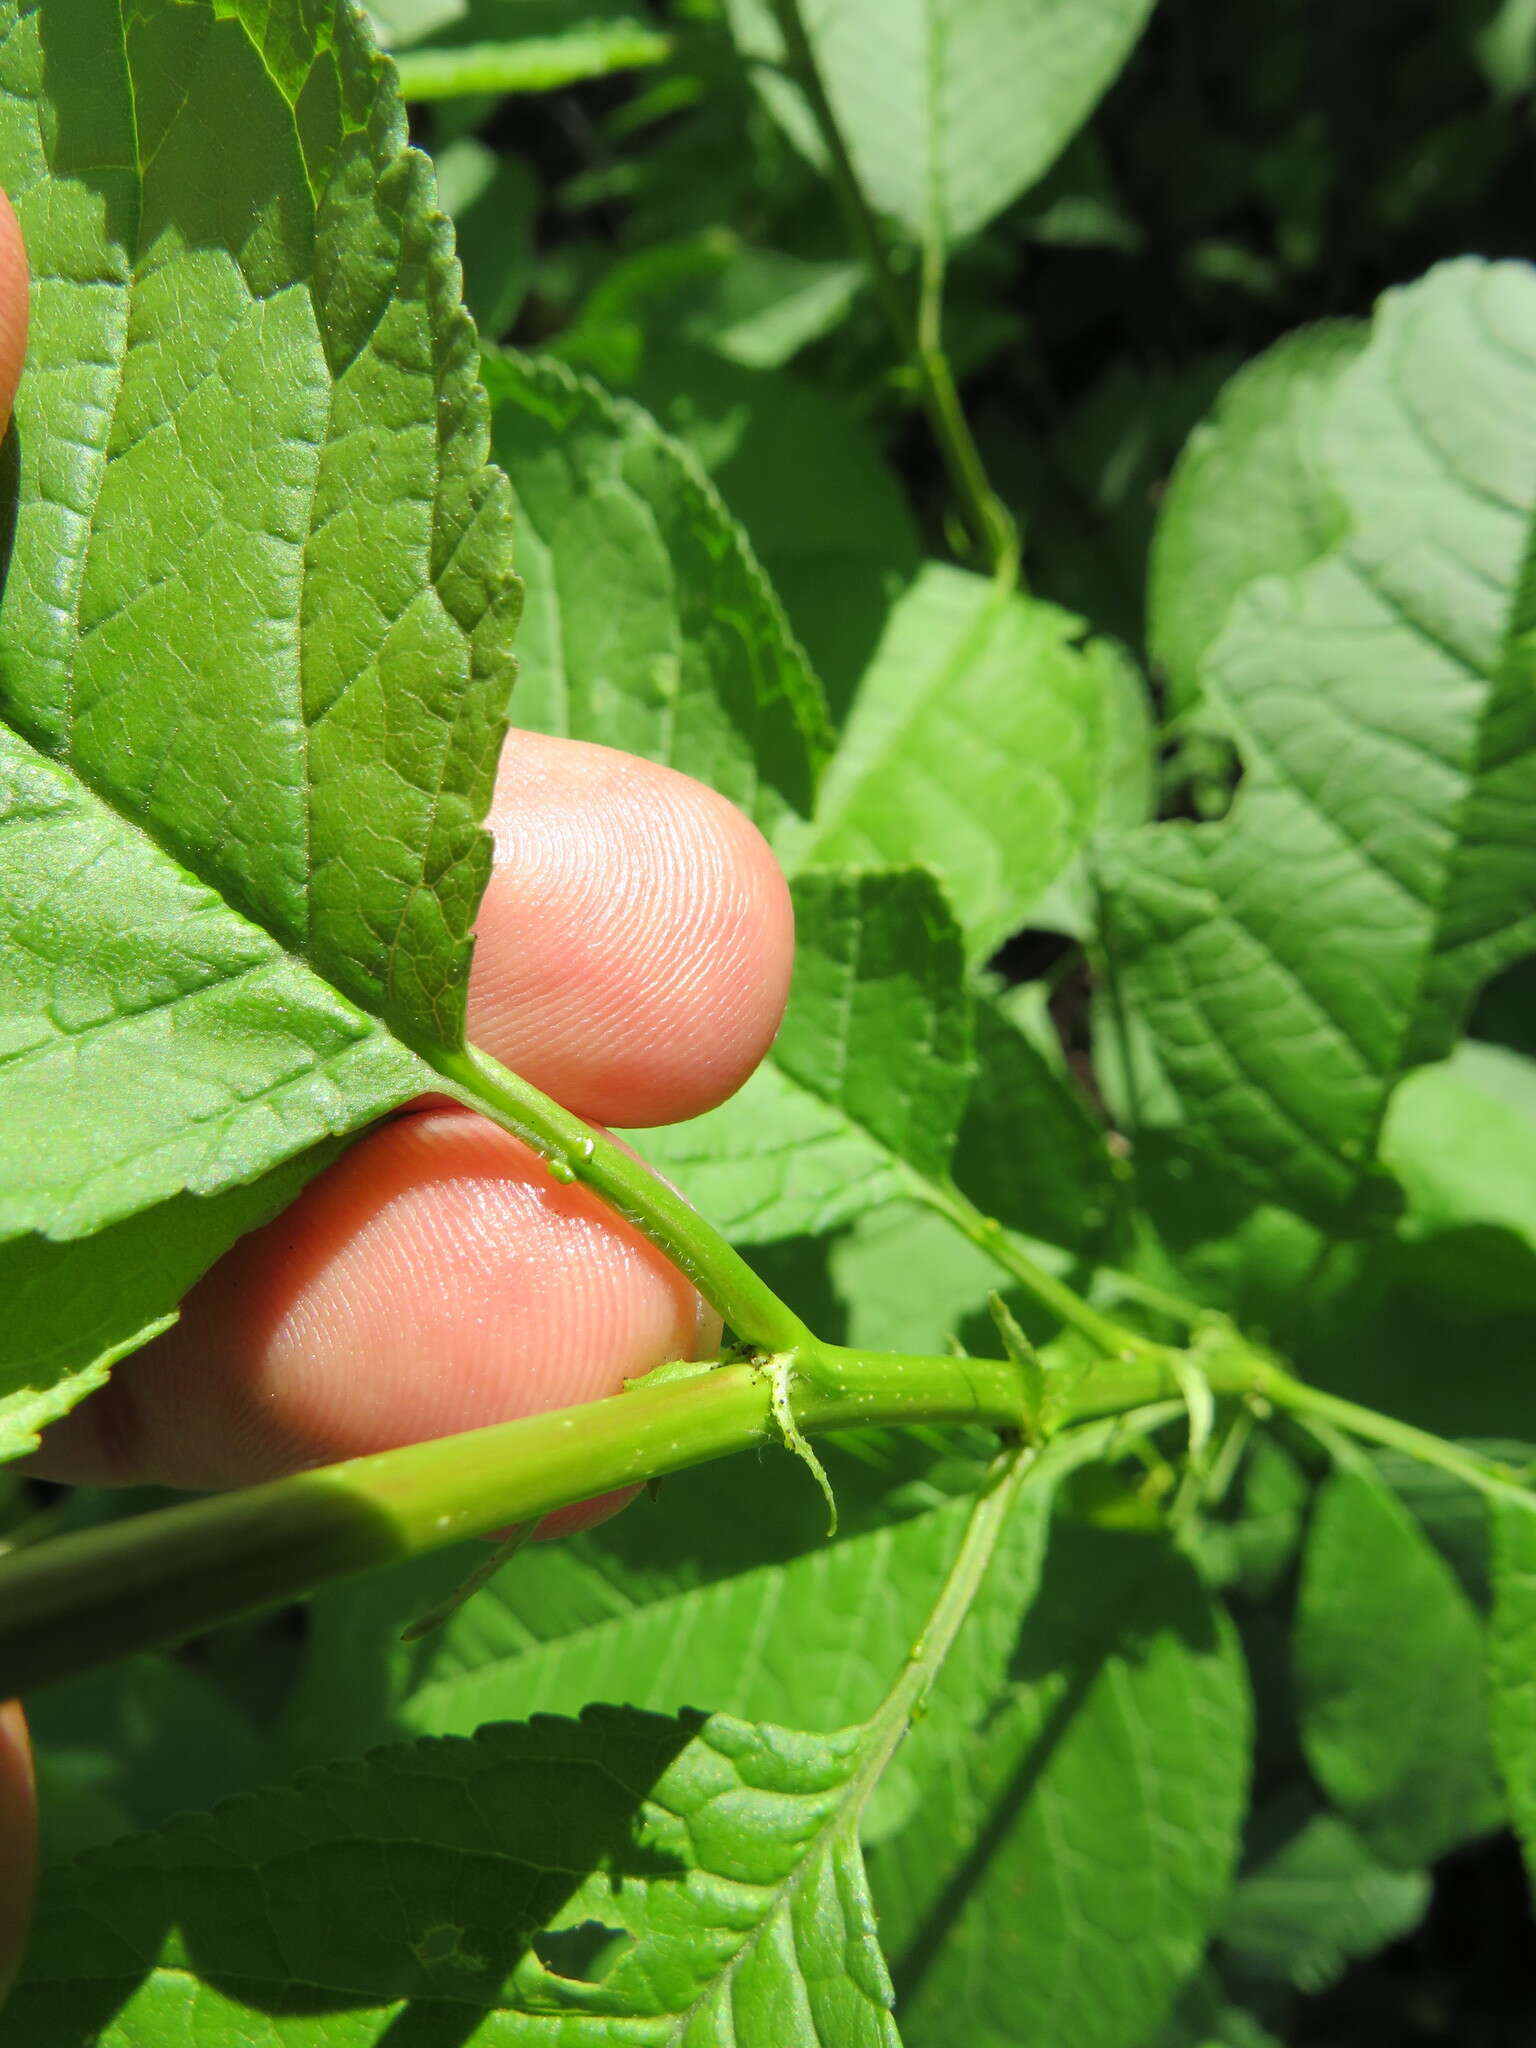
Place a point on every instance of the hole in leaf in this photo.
(1030, 954)
(586, 1954)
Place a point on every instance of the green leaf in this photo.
(1461, 1138)
(950, 108)
(1313, 1898)
(1506, 46)
(1028, 1151)
(452, 47)
(756, 306)
(623, 1878)
(906, 1280)
(976, 747)
(1511, 1661)
(74, 1309)
(253, 643)
(1293, 962)
(124, 1749)
(800, 470)
(632, 1877)
(1250, 496)
(1060, 1877)
(1253, 1549)
(887, 1080)
(866, 1083)
(1205, 2017)
(1451, 1514)
(1390, 1691)
(648, 623)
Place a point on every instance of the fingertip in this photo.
(636, 939)
(18, 1841)
(14, 293)
(435, 1279)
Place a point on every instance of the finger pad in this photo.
(434, 1280)
(13, 308)
(635, 942)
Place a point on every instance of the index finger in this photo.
(13, 308)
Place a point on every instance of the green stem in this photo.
(80, 1601)
(1312, 1404)
(1053, 1295)
(573, 1151)
(991, 527)
(906, 1698)
(83, 1600)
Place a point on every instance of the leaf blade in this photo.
(1391, 1696)
(1511, 1638)
(647, 623)
(950, 108)
(1382, 702)
(683, 1837)
(1108, 1780)
(974, 747)
(247, 729)
(867, 1080)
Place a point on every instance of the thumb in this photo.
(13, 308)
(18, 1841)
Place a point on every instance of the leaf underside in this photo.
(254, 642)
(888, 1079)
(648, 624)
(624, 1878)
(1391, 1697)
(950, 108)
(1293, 961)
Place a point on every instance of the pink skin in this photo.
(18, 1812)
(633, 960)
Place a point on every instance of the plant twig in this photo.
(991, 526)
(1110, 1338)
(573, 1151)
(86, 1599)
(1312, 1405)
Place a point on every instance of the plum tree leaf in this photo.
(950, 108)
(124, 1749)
(1249, 497)
(253, 642)
(867, 1081)
(1061, 1874)
(976, 746)
(633, 1877)
(715, 1861)
(1028, 1152)
(447, 48)
(647, 621)
(1291, 963)
(806, 477)
(890, 1082)
(74, 1308)
(1391, 1696)
(1311, 1898)
(1511, 1662)
(1460, 1139)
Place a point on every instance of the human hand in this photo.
(633, 959)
